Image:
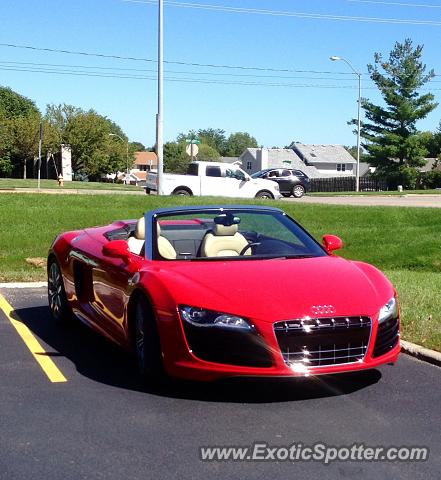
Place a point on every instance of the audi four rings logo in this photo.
(323, 309)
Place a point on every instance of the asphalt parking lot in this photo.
(103, 423)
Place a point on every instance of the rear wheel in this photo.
(182, 192)
(264, 194)
(146, 342)
(298, 191)
(58, 304)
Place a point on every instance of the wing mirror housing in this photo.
(332, 242)
(118, 249)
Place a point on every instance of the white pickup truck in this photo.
(214, 179)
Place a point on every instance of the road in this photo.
(407, 200)
(102, 423)
(432, 201)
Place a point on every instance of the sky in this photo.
(259, 66)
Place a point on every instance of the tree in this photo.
(432, 142)
(19, 127)
(175, 158)
(88, 135)
(391, 138)
(238, 142)
(94, 151)
(13, 105)
(137, 147)
(207, 153)
(6, 164)
(25, 133)
(215, 138)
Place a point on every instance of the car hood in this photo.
(278, 289)
(264, 182)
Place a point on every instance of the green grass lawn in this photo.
(403, 242)
(12, 183)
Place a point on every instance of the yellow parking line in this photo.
(40, 355)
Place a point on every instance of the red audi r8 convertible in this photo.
(209, 292)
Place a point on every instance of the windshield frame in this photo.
(152, 217)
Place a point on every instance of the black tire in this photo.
(264, 194)
(298, 191)
(182, 192)
(57, 299)
(146, 343)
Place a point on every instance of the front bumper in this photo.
(182, 360)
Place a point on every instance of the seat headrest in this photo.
(140, 229)
(225, 230)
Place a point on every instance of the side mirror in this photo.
(332, 242)
(117, 249)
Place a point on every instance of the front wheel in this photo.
(57, 299)
(146, 342)
(298, 191)
(264, 194)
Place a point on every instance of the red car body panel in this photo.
(262, 291)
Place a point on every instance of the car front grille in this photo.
(387, 337)
(320, 342)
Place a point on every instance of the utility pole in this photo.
(357, 174)
(39, 153)
(159, 116)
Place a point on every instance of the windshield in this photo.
(260, 174)
(217, 233)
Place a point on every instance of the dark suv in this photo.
(291, 182)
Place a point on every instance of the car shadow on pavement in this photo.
(100, 360)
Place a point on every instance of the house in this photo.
(329, 160)
(232, 160)
(145, 161)
(317, 161)
(255, 159)
(431, 164)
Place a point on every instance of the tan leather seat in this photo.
(224, 241)
(136, 243)
(165, 248)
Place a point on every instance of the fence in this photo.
(347, 184)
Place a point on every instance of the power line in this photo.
(286, 14)
(192, 64)
(396, 4)
(111, 70)
(186, 80)
(144, 70)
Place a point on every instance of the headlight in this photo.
(390, 310)
(209, 318)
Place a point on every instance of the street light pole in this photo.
(159, 116)
(357, 174)
(127, 152)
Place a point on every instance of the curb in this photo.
(24, 285)
(421, 353)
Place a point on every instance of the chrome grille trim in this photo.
(320, 342)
